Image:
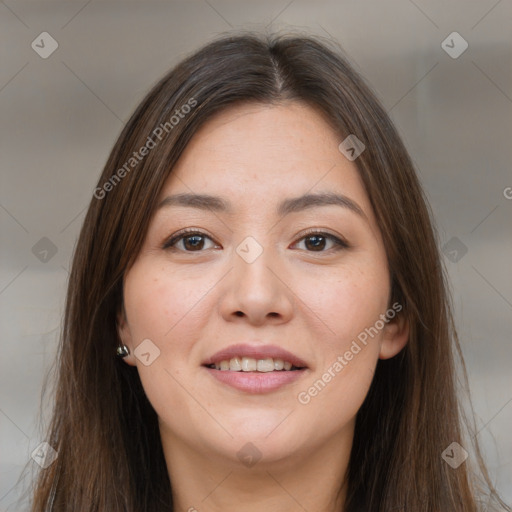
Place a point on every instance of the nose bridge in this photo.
(255, 287)
(253, 262)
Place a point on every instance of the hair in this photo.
(103, 427)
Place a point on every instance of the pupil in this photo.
(198, 243)
(318, 242)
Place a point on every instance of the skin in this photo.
(313, 303)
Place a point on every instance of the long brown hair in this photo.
(103, 427)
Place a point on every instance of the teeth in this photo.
(249, 364)
(235, 364)
(265, 365)
(278, 364)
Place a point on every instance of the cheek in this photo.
(334, 398)
(349, 304)
(347, 300)
(168, 310)
(159, 303)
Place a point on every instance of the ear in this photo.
(125, 336)
(395, 336)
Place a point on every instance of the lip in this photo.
(256, 382)
(256, 352)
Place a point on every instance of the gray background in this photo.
(61, 115)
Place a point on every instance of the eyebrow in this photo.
(291, 205)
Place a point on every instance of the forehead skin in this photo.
(256, 155)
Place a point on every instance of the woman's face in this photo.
(270, 265)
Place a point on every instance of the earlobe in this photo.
(395, 337)
(125, 338)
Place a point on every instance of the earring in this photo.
(122, 351)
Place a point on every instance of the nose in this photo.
(257, 292)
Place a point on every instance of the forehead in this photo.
(255, 152)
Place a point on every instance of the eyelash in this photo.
(168, 245)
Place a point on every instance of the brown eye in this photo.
(191, 241)
(317, 242)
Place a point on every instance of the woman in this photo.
(259, 254)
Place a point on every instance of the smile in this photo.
(255, 368)
(250, 364)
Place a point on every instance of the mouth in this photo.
(251, 364)
(255, 369)
(254, 358)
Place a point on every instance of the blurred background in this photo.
(72, 72)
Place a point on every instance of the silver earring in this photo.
(122, 351)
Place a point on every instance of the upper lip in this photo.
(256, 352)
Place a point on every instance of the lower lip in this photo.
(256, 382)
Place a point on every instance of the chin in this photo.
(272, 441)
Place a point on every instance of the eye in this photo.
(316, 241)
(193, 241)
